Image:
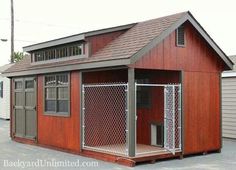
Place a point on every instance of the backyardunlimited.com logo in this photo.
(49, 163)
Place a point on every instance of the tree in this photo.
(17, 56)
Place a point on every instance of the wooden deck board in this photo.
(120, 150)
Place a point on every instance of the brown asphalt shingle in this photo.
(125, 46)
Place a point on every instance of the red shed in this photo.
(127, 94)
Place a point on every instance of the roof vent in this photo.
(180, 36)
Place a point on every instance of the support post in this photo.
(81, 111)
(131, 113)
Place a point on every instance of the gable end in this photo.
(187, 17)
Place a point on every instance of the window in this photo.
(143, 94)
(57, 94)
(59, 52)
(180, 36)
(29, 84)
(18, 85)
(39, 56)
(1, 89)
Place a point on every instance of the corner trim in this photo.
(81, 109)
(220, 86)
(182, 110)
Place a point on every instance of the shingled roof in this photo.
(125, 49)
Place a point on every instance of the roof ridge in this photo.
(165, 16)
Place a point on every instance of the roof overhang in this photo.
(228, 74)
(187, 17)
(81, 66)
(74, 38)
(52, 43)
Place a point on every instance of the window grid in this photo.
(59, 52)
(59, 99)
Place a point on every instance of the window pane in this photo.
(62, 93)
(18, 85)
(39, 56)
(80, 49)
(46, 55)
(62, 79)
(77, 50)
(62, 106)
(61, 53)
(50, 93)
(50, 80)
(29, 84)
(70, 51)
(52, 54)
(57, 53)
(50, 105)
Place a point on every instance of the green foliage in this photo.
(18, 56)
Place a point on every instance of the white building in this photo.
(4, 94)
(229, 102)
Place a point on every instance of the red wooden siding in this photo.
(195, 56)
(99, 41)
(201, 112)
(61, 132)
(201, 67)
(105, 76)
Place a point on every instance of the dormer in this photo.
(73, 47)
(67, 48)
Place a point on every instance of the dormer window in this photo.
(59, 53)
(180, 36)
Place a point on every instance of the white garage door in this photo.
(229, 107)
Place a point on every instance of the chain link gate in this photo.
(104, 117)
(172, 118)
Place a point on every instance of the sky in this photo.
(42, 20)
